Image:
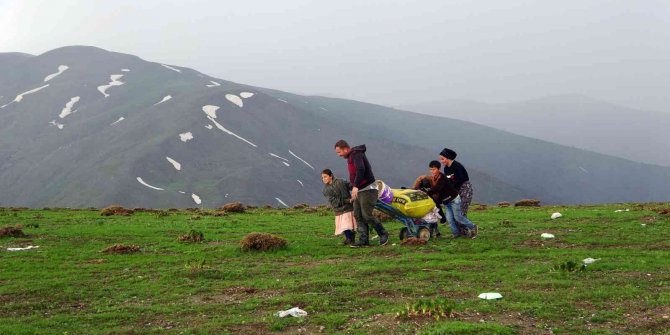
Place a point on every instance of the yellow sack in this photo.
(412, 203)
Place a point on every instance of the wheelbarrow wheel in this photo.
(403, 233)
(424, 234)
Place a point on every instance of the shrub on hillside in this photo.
(480, 207)
(300, 206)
(262, 242)
(121, 249)
(504, 204)
(10, 231)
(116, 210)
(234, 207)
(311, 210)
(527, 203)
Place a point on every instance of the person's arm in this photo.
(459, 176)
(334, 201)
(437, 188)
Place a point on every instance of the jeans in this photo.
(363, 206)
(455, 216)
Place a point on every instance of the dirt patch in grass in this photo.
(193, 236)
(411, 241)
(11, 231)
(379, 293)
(546, 243)
(96, 261)
(527, 203)
(116, 210)
(648, 219)
(262, 242)
(234, 207)
(235, 294)
(121, 249)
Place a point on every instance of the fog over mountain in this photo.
(572, 120)
(82, 126)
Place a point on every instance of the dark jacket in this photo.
(360, 172)
(459, 172)
(338, 196)
(441, 188)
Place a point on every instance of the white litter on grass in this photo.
(125, 70)
(230, 132)
(622, 210)
(61, 69)
(114, 82)
(209, 126)
(149, 186)
(235, 99)
(643, 224)
(323, 109)
(246, 95)
(196, 198)
(22, 249)
(490, 296)
(186, 136)
(590, 260)
(171, 68)
(276, 156)
(300, 159)
(165, 98)
(282, 100)
(213, 84)
(547, 235)
(301, 184)
(281, 202)
(117, 121)
(59, 125)
(556, 215)
(20, 96)
(294, 312)
(287, 164)
(67, 110)
(174, 163)
(210, 110)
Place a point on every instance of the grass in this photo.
(69, 286)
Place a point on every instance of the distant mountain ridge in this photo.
(81, 126)
(572, 120)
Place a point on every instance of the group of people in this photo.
(354, 200)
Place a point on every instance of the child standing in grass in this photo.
(337, 191)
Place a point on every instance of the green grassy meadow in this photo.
(68, 286)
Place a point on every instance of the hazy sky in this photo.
(383, 51)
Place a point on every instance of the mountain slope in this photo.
(81, 126)
(570, 120)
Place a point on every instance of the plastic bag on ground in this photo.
(294, 312)
(547, 235)
(432, 217)
(490, 296)
(26, 248)
(556, 215)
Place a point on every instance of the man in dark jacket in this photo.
(456, 172)
(364, 193)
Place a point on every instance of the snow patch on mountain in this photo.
(117, 121)
(246, 95)
(301, 184)
(59, 125)
(139, 179)
(196, 198)
(287, 164)
(125, 70)
(281, 202)
(61, 69)
(213, 84)
(300, 159)
(276, 156)
(184, 137)
(209, 126)
(171, 68)
(67, 110)
(174, 163)
(210, 110)
(20, 96)
(282, 100)
(165, 98)
(114, 82)
(230, 132)
(235, 99)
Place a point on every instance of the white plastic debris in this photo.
(622, 210)
(294, 312)
(643, 224)
(556, 215)
(547, 235)
(490, 296)
(26, 248)
(590, 260)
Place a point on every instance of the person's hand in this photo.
(354, 193)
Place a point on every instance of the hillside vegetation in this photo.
(184, 272)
